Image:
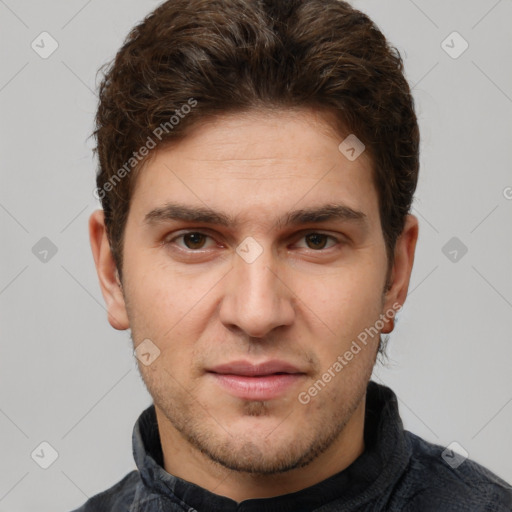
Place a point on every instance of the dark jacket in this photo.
(398, 471)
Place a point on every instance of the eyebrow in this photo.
(199, 214)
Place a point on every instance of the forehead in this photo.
(264, 134)
(265, 162)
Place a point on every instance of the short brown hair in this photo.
(221, 56)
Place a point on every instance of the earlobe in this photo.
(401, 272)
(110, 284)
(389, 325)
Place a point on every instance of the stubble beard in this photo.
(212, 437)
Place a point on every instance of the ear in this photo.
(401, 270)
(107, 272)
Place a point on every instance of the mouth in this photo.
(264, 381)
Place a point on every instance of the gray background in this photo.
(67, 378)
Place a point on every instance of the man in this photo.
(258, 161)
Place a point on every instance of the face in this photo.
(248, 297)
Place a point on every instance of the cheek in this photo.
(155, 290)
(172, 312)
(340, 310)
(345, 300)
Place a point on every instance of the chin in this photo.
(259, 458)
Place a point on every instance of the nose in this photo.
(257, 297)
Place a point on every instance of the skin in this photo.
(302, 300)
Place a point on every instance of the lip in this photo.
(248, 369)
(262, 381)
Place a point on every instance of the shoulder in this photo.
(116, 499)
(440, 480)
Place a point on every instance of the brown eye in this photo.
(317, 240)
(194, 240)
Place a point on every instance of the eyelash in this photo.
(168, 242)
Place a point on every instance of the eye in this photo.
(193, 240)
(317, 241)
